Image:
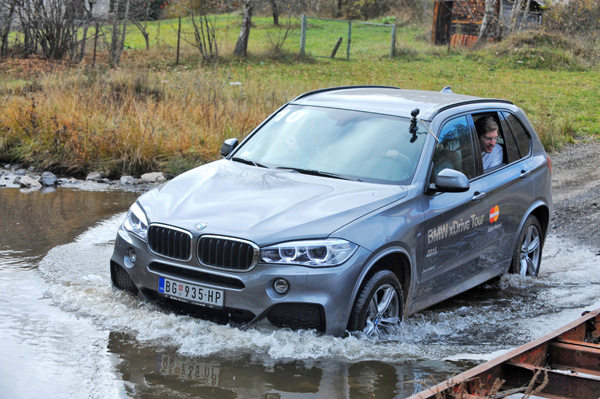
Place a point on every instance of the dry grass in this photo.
(128, 121)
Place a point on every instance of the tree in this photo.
(6, 19)
(275, 11)
(241, 46)
(514, 16)
(118, 39)
(489, 23)
(88, 17)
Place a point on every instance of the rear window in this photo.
(520, 134)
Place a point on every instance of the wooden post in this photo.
(95, 45)
(393, 49)
(349, 40)
(178, 41)
(303, 36)
(336, 47)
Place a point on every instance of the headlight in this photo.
(330, 252)
(136, 222)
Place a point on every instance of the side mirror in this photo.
(228, 146)
(452, 181)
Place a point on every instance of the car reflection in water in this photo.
(159, 372)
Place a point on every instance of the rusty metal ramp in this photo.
(562, 364)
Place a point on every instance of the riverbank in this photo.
(32, 179)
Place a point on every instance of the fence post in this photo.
(178, 41)
(349, 39)
(303, 35)
(393, 49)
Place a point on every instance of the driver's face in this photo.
(488, 141)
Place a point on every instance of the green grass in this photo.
(150, 114)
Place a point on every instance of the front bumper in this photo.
(318, 298)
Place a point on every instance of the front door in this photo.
(454, 222)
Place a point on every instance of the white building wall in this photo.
(101, 9)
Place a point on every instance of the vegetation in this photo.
(151, 113)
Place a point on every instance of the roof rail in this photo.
(309, 93)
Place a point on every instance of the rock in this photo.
(29, 182)
(154, 177)
(20, 172)
(127, 180)
(95, 176)
(49, 179)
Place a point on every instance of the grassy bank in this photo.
(150, 114)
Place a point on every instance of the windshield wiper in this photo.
(248, 162)
(313, 172)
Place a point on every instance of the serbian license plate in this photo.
(190, 292)
(203, 374)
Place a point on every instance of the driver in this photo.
(491, 151)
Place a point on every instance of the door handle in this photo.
(524, 174)
(478, 196)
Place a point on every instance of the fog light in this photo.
(132, 255)
(281, 286)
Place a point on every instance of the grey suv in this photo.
(348, 209)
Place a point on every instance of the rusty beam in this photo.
(581, 357)
(554, 384)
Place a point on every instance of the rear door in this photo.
(509, 193)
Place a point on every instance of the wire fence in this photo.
(338, 39)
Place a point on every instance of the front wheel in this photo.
(528, 253)
(380, 305)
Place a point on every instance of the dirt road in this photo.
(576, 193)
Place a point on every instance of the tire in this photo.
(380, 305)
(528, 253)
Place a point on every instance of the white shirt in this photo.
(492, 159)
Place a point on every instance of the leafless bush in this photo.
(203, 25)
(575, 18)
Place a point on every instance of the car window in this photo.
(520, 134)
(511, 148)
(454, 149)
(356, 145)
(501, 141)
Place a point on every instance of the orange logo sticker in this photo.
(494, 214)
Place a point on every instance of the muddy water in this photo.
(66, 333)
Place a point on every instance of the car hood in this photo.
(263, 205)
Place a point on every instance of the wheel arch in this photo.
(541, 211)
(397, 260)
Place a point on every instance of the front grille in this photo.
(170, 242)
(227, 253)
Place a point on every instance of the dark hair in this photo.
(485, 124)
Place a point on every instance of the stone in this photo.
(29, 182)
(154, 177)
(95, 176)
(127, 180)
(48, 179)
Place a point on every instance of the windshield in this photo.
(340, 143)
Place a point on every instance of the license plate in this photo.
(203, 374)
(190, 292)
